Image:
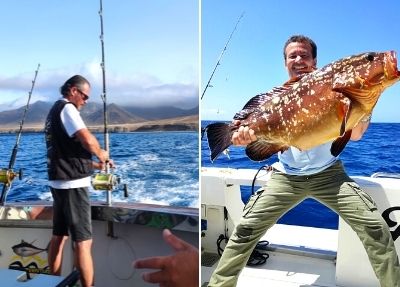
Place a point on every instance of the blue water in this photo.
(377, 151)
(158, 167)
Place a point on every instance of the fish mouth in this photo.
(391, 70)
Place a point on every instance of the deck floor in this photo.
(283, 269)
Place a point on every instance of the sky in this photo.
(253, 60)
(151, 50)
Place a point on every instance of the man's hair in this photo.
(75, 81)
(301, 39)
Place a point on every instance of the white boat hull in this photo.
(121, 234)
(299, 256)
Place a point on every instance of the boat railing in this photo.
(385, 175)
(39, 214)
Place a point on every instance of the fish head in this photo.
(365, 76)
(391, 70)
(377, 68)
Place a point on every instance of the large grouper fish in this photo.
(315, 108)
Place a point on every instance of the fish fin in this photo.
(343, 111)
(219, 137)
(253, 104)
(259, 100)
(339, 144)
(261, 150)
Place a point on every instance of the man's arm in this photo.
(91, 144)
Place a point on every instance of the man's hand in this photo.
(243, 136)
(180, 269)
(102, 165)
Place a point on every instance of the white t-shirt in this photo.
(72, 121)
(296, 162)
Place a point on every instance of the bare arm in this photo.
(91, 144)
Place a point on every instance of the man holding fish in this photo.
(309, 121)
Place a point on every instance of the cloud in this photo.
(178, 95)
(134, 89)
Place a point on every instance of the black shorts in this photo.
(72, 213)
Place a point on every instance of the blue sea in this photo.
(377, 151)
(158, 167)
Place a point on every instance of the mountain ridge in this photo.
(92, 114)
(120, 118)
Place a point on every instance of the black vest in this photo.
(67, 159)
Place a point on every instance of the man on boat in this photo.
(70, 147)
(310, 173)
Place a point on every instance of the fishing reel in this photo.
(8, 175)
(105, 181)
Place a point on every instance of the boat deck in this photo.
(307, 259)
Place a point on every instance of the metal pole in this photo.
(104, 97)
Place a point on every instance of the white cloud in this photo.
(134, 89)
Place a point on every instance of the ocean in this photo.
(158, 167)
(377, 151)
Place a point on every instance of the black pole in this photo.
(104, 93)
(6, 186)
(220, 56)
(104, 98)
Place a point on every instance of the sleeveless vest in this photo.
(67, 159)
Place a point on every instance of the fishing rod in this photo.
(220, 56)
(105, 180)
(8, 175)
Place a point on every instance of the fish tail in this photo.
(219, 138)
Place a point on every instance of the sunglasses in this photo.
(84, 96)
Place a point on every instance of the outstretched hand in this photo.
(178, 269)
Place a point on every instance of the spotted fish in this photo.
(315, 108)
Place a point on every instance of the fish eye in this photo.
(370, 56)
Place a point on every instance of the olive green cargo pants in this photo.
(333, 188)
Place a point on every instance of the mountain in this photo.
(36, 113)
(92, 114)
(159, 113)
(116, 115)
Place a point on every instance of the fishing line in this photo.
(220, 56)
(127, 253)
(8, 175)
